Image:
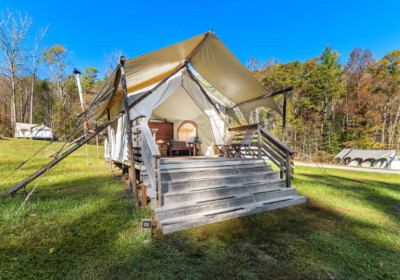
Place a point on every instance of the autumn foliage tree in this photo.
(333, 106)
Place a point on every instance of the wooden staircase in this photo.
(189, 192)
(201, 191)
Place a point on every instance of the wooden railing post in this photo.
(288, 170)
(132, 171)
(271, 147)
(259, 142)
(158, 179)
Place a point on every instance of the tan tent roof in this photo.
(208, 56)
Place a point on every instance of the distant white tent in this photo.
(34, 131)
(370, 158)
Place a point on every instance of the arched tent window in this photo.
(187, 131)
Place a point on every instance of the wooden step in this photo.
(199, 206)
(189, 185)
(221, 191)
(210, 171)
(184, 222)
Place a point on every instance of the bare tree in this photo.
(57, 58)
(112, 60)
(36, 58)
(13, 31)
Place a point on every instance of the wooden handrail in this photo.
(279, 153)
(244, 127)
(276, 141)
(151, 158)
(271, 147)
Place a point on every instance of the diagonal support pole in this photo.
(61, 157)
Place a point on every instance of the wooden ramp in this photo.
(200, 191)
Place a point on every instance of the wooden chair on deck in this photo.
(246, 145)
(226, 149)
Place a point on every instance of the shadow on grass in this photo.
(311, 241)
(366, 190)
(95, 235)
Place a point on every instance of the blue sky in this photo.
(286, 30)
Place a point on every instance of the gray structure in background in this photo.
(370, 158)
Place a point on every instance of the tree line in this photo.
(36, 82)
(335, 105)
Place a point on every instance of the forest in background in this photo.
(333, 104)
(36, 82)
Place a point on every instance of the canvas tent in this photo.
(206, 54)
(370, 158)
(34, 131)
(164, 84)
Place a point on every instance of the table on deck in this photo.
(193, 146)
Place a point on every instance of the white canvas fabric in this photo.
(208, 56)
(248, 107)
(216, 63)
(370, 158)
(176, 100)
(35, 131)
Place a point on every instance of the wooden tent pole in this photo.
(97, 144)
(109, 142)
(132, 171)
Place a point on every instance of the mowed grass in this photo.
(81, 224)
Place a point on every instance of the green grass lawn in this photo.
(77, 225)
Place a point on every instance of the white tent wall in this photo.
(118, 140)
(177, 100)
(35, 131)
(395, 164)
(370, 158)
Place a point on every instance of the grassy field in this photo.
(80, 224)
